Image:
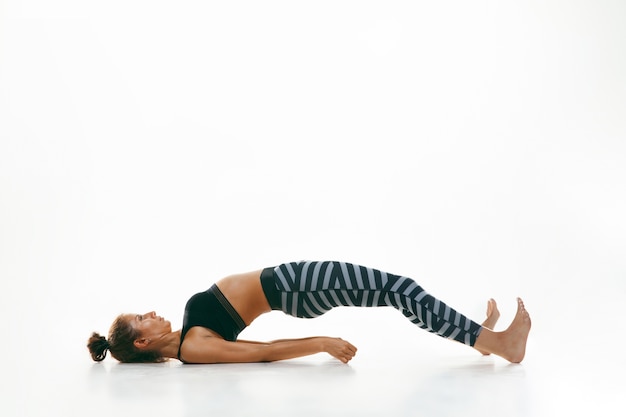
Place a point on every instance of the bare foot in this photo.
(493, 314)
(511, 343)
(514, 338)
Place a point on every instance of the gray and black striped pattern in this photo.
(309, 289)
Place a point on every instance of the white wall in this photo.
(148, 148)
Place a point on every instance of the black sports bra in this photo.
(212, 310)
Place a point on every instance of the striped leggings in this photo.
(309, 289)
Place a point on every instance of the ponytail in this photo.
(98, 346)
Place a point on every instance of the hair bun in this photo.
(98, 346)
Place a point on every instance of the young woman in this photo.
(214, 318)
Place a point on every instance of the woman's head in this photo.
(130, 339)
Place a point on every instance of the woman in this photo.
(214, 318)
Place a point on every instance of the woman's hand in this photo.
(339, 348)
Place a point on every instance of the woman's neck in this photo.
(171, 343)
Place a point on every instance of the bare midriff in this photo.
(245, 294)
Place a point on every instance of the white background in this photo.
(148, 148)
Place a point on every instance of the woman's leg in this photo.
(309, 289)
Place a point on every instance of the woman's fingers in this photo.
(342, 350)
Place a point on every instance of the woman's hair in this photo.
(121, 344)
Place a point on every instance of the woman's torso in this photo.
(244, 293)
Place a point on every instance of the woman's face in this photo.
(149, 325)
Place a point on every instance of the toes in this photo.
(522, 309)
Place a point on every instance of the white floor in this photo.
(413, 373)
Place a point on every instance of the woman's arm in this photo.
(216, 350)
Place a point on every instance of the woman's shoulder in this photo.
(199, 333)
